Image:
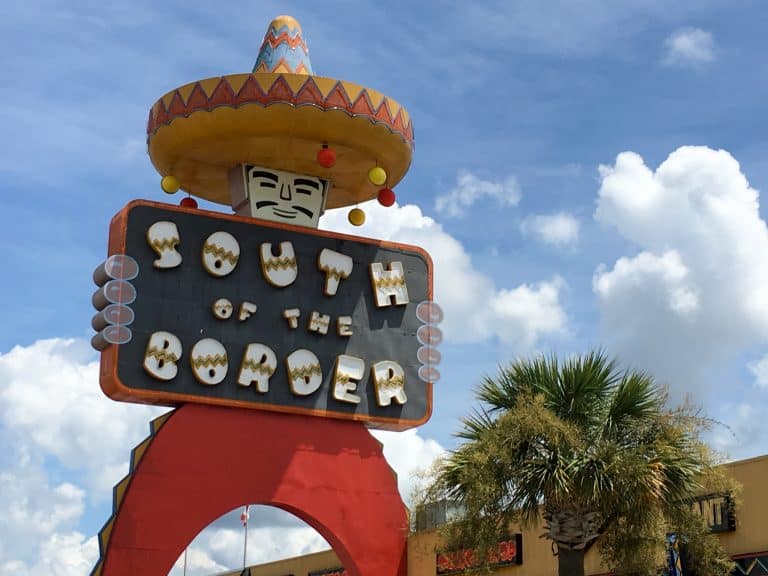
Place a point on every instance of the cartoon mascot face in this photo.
(284, 196)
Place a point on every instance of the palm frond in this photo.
(474, 426)
(636, 398)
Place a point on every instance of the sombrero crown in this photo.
(283, 49)
(278, 117)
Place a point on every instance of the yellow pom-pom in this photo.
(377, 176)
(170, 184)
(356, 217)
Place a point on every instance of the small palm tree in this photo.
(587, 450)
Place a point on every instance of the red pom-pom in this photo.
(326, 157)
(188, 202)
(386, 197)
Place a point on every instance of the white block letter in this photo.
(221, 252)
(280, 270)
(344, 325)
(209, 361)
(389, 381)
(163, 237)
(222, 309)
(163, 351)
(389, 284)
(319, 323)
(336, 266)
(349, 370)
(247, 309)
(304, 372)
(292, 315)
(259, 363)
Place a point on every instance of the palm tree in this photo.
(589, 451)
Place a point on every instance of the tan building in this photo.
(744, 532)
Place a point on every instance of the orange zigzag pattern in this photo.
(300, 69)
(284, 37)
(280, 91)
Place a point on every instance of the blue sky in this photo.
(658, 256)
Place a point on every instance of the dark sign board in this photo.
(505, 553)
(240, 312)
(718, 511)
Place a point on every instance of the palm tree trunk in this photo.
(570, 562)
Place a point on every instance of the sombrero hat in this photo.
(280, 116)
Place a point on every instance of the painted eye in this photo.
(267, 184)
(306, 186)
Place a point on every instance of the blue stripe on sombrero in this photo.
(269, 58)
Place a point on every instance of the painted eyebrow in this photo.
(305, 182)
(306, 211)
(260, 174)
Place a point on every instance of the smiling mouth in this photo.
(284, 213)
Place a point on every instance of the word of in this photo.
(222, 309)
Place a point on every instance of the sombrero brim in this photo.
(199, 131)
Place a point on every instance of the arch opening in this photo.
(272, 534)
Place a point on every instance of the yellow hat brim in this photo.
(199, 131)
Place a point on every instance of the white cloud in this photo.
(51, 398)
(475, 309)
(631, 280)
(530, 311)
(33, 509)
(52, 409)
(68, 554)
(198, 563)
(219, 549)
(470, 189)
(760, 370)
(408, 453)
(559, 229)
(37, 527)
(695, 293)
(689, 47)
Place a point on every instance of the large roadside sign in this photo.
(203, 307)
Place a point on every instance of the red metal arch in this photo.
(206, 461)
